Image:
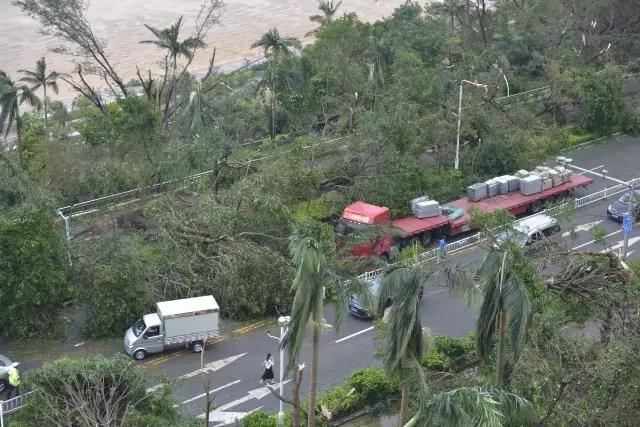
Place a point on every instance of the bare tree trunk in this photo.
(46, 119)
(501, 332)
(273, 95)
(404, 404)
(19, 136)
(297, 381)
(313, 379)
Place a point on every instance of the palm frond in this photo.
(516, 302)
(462, 283)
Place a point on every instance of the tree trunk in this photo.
(313, 380)
(46, 119)
(273, 95)
(404, 404)
(19, 136)
(501, 332)
(297, 381)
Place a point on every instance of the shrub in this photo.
(447, 351)
(260, 419)
(371, 387)
(65, 388)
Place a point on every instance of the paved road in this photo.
(354, 345)
(234, 364)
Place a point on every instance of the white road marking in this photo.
(209, 367)
(591, 241)
(223, 418)
(79, 344)
(582, 227)
(215, 390)
(354, 334)
(620, 244)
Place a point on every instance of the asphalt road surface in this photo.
(233, 364)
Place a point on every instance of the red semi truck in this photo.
(455, 218)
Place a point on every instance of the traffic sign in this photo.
(627, 224)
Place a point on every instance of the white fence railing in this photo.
(473, 240)
(12, 405)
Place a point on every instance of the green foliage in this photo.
(115, 290)
(602, 102)
(449, 353)
(260, 419)
(33, 274)
(33, 266)
(67, 387)
(496, 158)
(370, 387)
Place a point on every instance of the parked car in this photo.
(5, 365)
(618, 209)
(357, 307)
(531, 230)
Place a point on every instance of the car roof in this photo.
(535, 223)
(5, 360)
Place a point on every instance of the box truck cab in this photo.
(180, 323)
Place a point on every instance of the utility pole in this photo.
(457, 160)
(283, 321)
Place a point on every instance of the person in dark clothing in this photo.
(268, 369)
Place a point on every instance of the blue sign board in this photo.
(627, 224)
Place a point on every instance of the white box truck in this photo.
(185, 322)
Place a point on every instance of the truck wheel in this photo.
(426, 238)
(197, 346)
(3, 385)
(139, 354)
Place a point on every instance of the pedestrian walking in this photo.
(441, 248)
(268, 369)
(14, 380)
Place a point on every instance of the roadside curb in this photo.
(592, 141)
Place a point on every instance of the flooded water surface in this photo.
(121, 24)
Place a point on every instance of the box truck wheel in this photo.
(3, 385)
(197, 346)
(139, 354)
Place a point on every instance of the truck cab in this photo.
(361, 216)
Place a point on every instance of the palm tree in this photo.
(328, 9)
(274, 46)
(40, 79)
(403, 287)
(167, 39)
(505, 306)
(477, 406)
(11, 97)
(315, 270)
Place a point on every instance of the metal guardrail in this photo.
(131, 195)
(468, 242)
(12, 405)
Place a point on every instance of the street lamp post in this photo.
(457, 160)
(283, 321)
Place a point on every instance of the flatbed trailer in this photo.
(424, 230)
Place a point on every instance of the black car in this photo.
(357, 307)
(618, 209)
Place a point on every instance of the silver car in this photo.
(5, 365)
